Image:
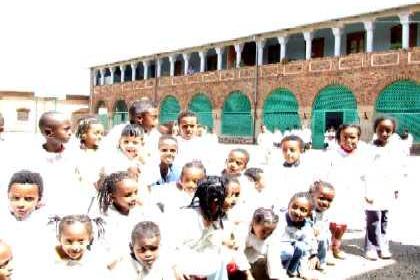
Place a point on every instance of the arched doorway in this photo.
(401, 100)
(102, 112)
(236, 115)
(281, 110)
(120, 112)
(169, 109)
(334, 105)
(201, 105)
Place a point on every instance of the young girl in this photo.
(198, 238)
(347, 164)
(122, 208)
(297, 247)
(146, 261)
(73, 254)
(323, 194)
(382, 181)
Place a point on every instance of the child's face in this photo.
(384, 130)
(146, 250)
(291, 151)
(189, 179)
(168, 150)
(323, 198)
(349, 138)
(94, 135)
(232, 195)
(131, 146)
(74, 240)
(260, 183)
(6, 267)
(188, 127)
(149, 119)
(262, 231)
(23, 199)
(299, 208)
(125, 196)
(61, 132)
(236, 163)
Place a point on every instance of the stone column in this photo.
(112, 69)
(145, 69)
(238, 50)
(260, 48)
(172, 65)
(337, 40)
(369, 35)
(219, 52)
(308, 36)
(122, 69)
(202, 55)
(133, 71)
(102, 76)
(405, 22)
(283, 43)
(186, 57)
(158, 67)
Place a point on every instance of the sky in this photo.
(47, 46)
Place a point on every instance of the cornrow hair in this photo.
(306, 195)
(84, 125)
(61, 222)
(243, 151)
(145, 230)
(194, 164)
(254, 173)
(27, 177)
(107, 187)
(347, 125)
(210, 196)
(318, 184)
(132, 130)
(265, 216)
(186, 114)
(293, 138)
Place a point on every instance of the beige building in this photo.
(21, 110)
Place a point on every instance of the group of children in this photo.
(139, 204)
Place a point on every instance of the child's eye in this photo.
(29, 199)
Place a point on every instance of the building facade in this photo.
(318, 75)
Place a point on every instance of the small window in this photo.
(356, 42)
(22, 114)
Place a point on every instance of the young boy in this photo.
(168, 149)
(5, 261)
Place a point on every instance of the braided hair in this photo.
(107, 187)
(210, 195)
(83, 127)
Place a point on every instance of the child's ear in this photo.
(48, 131)
(83, 136)
(131, 247)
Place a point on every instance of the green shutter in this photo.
(236, 115)
(333, 98)
(201, 105)
(401, 100)
(281, 110)
(120, 113)
(169, 109)
(103, 119)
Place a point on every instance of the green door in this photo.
(120, 113)
(333, 98)
(281, 110)
(236, 115)
(102, 116)
(201, 105)
(169, 109)
(401, 100)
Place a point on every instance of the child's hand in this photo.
(313, 263)
(369, 200)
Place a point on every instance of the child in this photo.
(168, 148)
(173, 196)
(56, 128)
(298, 246)
(6, 268)
(322, 195)
(90, 132)
(294, 174)
(198, 238)
(73, 256)
(382, 181)
(347, 165)
(261, 195)
(145, 261)
(121, 208)
(236, 162)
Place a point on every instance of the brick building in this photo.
(320, 75)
